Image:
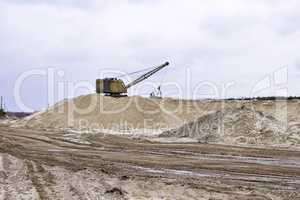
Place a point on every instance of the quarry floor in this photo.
(60, 165)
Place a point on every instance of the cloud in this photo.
(56, 3)
(218, 41)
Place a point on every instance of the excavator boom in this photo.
(147, 75)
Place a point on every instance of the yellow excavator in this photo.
(116, 87)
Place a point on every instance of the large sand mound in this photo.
(127, 113)
(228, 122)
(239, 126)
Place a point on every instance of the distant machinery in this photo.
(157, 93)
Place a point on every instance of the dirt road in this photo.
(137, 169)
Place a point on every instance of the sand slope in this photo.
(239, 126)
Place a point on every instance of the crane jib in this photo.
(147, 75)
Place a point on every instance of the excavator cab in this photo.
(111, 86)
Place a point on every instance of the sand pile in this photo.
(239, 126)
(228, 122)
(96, 112)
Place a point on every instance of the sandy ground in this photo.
(59, 165)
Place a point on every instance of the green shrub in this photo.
(2, 112)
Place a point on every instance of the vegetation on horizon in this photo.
(272, 98)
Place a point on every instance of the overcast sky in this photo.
(242, 43)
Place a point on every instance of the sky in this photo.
(51, 50)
